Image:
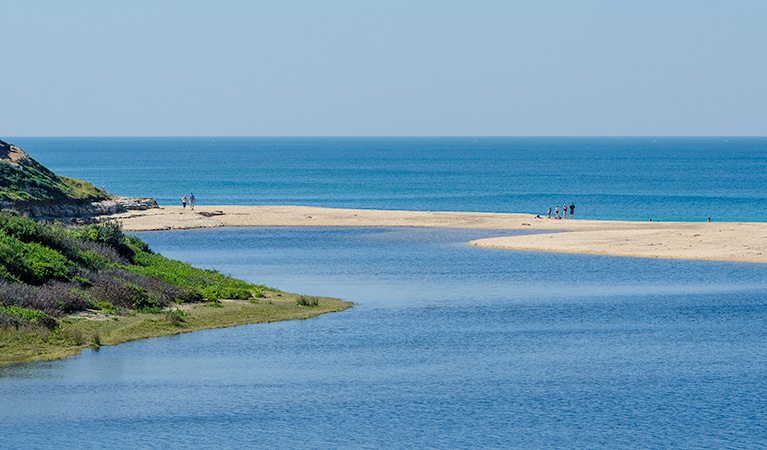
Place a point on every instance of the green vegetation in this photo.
(82, 189)
(303, 300)
(31, 181)
(65, 289)
(33, 342)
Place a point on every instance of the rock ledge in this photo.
(50, 209)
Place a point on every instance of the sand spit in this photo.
(719, 241)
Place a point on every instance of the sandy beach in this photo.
(718, 241)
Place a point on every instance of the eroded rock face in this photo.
(75, 208)
(13, 155)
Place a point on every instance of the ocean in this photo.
(663, 178)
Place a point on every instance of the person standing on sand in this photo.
(564, 210)
(556, 212)
(549, 214)
(191, 200)
(572, 209)
(183, 201)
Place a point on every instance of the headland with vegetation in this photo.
(64, 287)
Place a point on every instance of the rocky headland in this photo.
(32, 190)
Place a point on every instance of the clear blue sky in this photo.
(383, 68)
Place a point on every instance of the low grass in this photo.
(82, 189)
(75, 333)
(33, 182)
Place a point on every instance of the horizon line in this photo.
(393, 136)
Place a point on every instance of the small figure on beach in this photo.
(183, 201)
(549, 214)
(572, 210)
(564, 210)
(191, 200)
(556, 212)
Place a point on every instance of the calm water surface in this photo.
(607, 178)
(450, 347)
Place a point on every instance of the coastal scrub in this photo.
(66, 289)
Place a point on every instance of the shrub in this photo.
(45, 263)
(307, 301)
(217, 292)
(96, 339)
(107, 232)
(48, 235)
(30, 262)
(142, 301)
(97, 255)
(19, 227)
(13, 316)
(83, 282)
(114, 291)
(48, 322)
(7, 276)
(67, 299)
(12, 259)
(106, 307)
(137, 245)
(25, 296)
(12, 294)
(28, 315)
(8, 320)
(102, 268)
(54, 298)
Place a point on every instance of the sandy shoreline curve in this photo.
(717, 241)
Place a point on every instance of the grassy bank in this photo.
(65, 289)
(23, 179)
(92, 329)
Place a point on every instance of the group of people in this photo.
(184, 200)
(564, 211)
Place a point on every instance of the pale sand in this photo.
(731, 241)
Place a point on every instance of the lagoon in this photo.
(449, 346)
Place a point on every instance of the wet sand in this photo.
(719, 241)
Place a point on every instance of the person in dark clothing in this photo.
(572, 209)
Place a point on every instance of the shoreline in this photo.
(92, 329)
(714, 241)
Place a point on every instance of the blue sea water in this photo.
(449, 347)
(664, 178)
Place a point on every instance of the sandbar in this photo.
(717, 241)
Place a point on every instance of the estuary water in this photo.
(449, 347)
(664, 178)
